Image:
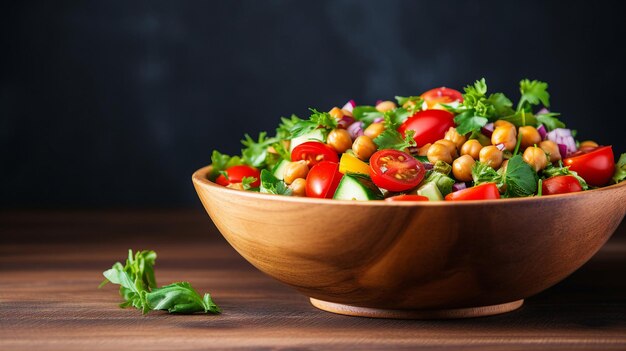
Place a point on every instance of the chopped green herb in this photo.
(549, 120)
(247, 181)
(272, 185)
(316, 120)
(139, 289)
(553, 171)
(520, 178)
(255, 153)
(620, 169)
(533, 93)
(221, 163)
(392, 139)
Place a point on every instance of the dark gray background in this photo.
(115, 103)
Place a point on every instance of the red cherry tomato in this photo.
(560, 185)
(441, 95)
(395, 170)
(429, 126)
(484, 191)
(313, 152)
(407, 198)
(595, 166)
(323, 179)
(237, 173)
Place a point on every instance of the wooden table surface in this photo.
(51, 264)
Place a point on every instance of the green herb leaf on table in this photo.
(533, 93)
(181, 298)
(620, 169)
(272, 185)
(392, 139)
(137, 281)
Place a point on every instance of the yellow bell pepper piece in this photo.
(351, 164)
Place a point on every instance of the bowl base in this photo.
(453, 313)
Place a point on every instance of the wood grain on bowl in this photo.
(415, 256)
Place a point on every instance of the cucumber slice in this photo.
(316, 135)
(357, 187)
(279, 169)
(431, 191)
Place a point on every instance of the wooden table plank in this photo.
(51, 264)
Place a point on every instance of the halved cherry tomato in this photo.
(237, 173)
(405, 197)
(395, 170)
(595, 166)
(484, 191)
(429, 126)
(560, 185)
(313, 152)
(441, 95)
(323, 179)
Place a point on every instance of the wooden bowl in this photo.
(415, 260)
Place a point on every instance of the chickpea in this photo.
(295, 170)
(374, 130)
(385, 106)
(450, 145)
(363, 147)
(462, 168)
(491, 156)
(439, 152)
(502, 123)
(506, 136)
(236, 186)
(336, 113)
(339, 139)
(471, 147)
(423, 151)
(552, 149)
(455, 137)
(298, 187)
(536, 158)
(588, 143)
(530, 136)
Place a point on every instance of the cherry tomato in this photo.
(595, 166)
(395, 170)
(441, 95)
(237, 173)
(323, 179)
(560, 185)
(484, 191)
(313, 152)
(407, 198)
(429, 125)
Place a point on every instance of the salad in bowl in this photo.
(442, 145)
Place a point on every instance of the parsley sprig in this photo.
(138, 288)
(317, 120)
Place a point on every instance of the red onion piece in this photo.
(378, 120)
(562, 150)
(458, 186)
(542, 131)
(564, 137)
(501, 146)
(355, 129)
(543, 111)
(345, 121)
(487, 129)
(349, 106)
(427, 165)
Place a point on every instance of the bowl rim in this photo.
(200, 177)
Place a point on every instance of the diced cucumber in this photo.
(316, 135)
(431, 191)
(357, 187)
(279, 169)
